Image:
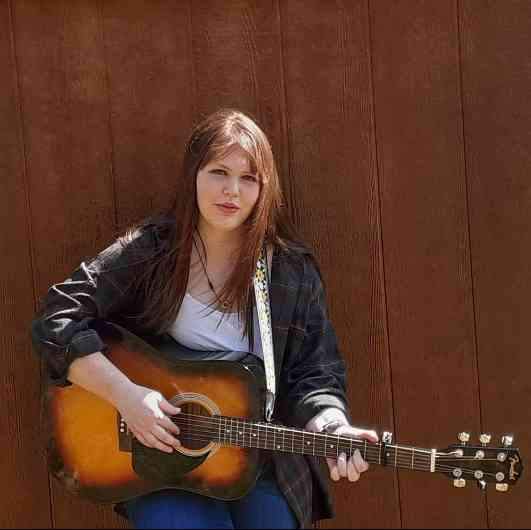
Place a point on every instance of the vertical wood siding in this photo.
(496, 69)
(402, 136)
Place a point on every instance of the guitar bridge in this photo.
(125, 442)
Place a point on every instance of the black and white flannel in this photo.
(310, 371)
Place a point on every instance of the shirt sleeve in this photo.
(62, 330)
(315, 378)
(324, 417)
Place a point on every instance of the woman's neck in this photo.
(220, 246)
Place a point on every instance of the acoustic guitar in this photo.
(93, 454)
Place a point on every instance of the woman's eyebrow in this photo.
(229, 169)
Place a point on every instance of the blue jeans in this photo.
(263, 507)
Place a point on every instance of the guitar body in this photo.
(91, 452)
(93, 455)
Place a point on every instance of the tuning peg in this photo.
(459, 483)
(485, 438)
(463, 437)
(482, 485)
(507, 440)
(387, 437)
(502, 487)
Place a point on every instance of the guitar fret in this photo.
(250, 434)
(261, 435)
(225, 431)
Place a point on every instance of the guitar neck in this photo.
(258, 435)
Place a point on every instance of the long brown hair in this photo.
(165, 277)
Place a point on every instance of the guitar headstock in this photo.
(482, 464)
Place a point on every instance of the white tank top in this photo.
(198, 328)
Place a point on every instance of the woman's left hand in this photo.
(355, 465)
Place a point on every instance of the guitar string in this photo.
(348, 440)
(405, 464)
(372, 448)
(423, 453)
(419, 453)
(217, 420)
(298, 436)
(400, 463)
(404, 460)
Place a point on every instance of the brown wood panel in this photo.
(426, 247)
(65, 114)
(100, 97)
(237, 63)
(151, 91)
(496, 40)
(326, 55)
(24, 477)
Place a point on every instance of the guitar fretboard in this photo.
(242, 433)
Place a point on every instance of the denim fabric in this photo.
(263, 507)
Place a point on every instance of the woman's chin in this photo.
(227, 227)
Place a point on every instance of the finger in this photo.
(355, 432)
(332, 466)
(363, 434)
(169, 425)
(342, 464)
(167, 407)
(361, 465)
(140, 437)
(353, 474)
(164, 436)
(157, 444)
(372, 436)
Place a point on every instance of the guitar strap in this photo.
(263, 309)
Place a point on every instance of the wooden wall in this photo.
(402, 132)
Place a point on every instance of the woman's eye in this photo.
(251, 178)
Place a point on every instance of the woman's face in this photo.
(228, 180)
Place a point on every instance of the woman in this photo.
(188, 273)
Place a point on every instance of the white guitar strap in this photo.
(263, 309)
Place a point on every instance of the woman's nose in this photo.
(231, 186)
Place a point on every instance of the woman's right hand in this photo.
(146, 411)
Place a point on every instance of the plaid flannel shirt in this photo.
(310, 371)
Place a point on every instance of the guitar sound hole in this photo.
(197, 427)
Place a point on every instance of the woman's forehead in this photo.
(235, 155)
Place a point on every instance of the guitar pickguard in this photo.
(167, 468)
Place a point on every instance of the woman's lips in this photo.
(226, 210)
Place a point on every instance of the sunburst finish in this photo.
(84, 448)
